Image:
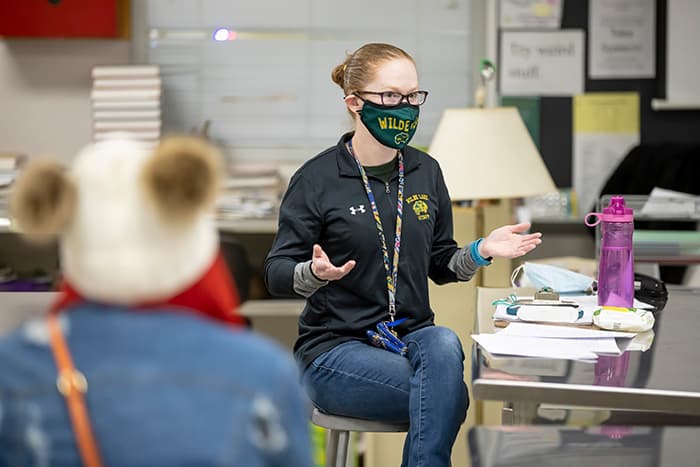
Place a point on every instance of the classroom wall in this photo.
(656, 126)
(44, 86)
(45, 89)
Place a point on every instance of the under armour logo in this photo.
(354, 210)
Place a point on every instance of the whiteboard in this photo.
(270, 88)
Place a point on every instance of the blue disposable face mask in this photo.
(559, 279)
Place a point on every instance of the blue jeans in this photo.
(427, 389)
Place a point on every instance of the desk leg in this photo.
(519, 413)
(507, 414)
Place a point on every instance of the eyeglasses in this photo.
(395, 98)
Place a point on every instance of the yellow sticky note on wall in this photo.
(606, 112)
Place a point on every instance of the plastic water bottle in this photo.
(616, 262)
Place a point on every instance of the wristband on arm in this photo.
(474, 252)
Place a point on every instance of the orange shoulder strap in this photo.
(72, 385)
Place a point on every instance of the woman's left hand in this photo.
(509, 242)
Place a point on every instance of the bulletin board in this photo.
(556, 138)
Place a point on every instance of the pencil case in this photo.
(623, 319)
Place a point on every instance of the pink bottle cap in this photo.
(616, 211)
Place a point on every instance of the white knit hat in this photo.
(134, 224)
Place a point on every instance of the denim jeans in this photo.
(427, 389)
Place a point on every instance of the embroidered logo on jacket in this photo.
(359, 209)
(419, 205)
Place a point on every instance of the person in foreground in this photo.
(362, 227)
(142, 360)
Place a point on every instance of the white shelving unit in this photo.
(663, 104)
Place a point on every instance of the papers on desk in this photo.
(668, 203)
(497, 344)
(561, 332)
(556, 342)
(250, 191)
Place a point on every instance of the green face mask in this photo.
(393, 126)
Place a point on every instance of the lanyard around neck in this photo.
(392, 270)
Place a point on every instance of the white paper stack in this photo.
(251, 191)
(126, 99)
(556, 342)
(10, 163)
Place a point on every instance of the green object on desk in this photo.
(666, 242)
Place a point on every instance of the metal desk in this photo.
(603, 446)
(659, 386)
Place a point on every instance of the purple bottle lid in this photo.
(616, 211)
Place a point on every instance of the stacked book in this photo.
(126, 99)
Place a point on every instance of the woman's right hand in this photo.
(323, 269)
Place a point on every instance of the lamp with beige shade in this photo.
(487, 157)
(487, 154)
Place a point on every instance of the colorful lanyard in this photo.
(392, 270)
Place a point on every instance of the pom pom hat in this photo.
(134, 224)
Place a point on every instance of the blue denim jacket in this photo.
(165, 389)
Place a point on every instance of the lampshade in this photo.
(487, 153)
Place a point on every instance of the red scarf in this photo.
(213, 296)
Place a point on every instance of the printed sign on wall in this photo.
(522, 14)
(622, 38)
(542, 63)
